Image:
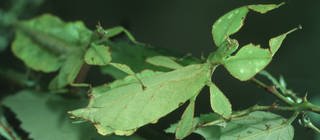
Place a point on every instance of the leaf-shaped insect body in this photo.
(129, 107)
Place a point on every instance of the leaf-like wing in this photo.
(129, 107)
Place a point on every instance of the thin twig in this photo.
(272, 90)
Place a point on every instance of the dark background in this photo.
(185, 26)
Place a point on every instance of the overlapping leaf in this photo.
(46, 43)
(41, 41)
(135, 55)
(123, 109)
(255, 126)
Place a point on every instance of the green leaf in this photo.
(251, 59)
(228, 24)
(129, 107)
(248, 61)
(132, 55)
(276, 42)
(42, 43)
(264, 8)
(255, 126)
(232, 21)
(34, 56)
(219, 102)
(185, 125)
(123, 68)
(44, 116)
(135, 55)
(164, 61)
(98, 55)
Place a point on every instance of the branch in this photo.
(247, 111)
(273, 90)
(305, 105)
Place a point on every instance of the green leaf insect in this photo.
(128, 107)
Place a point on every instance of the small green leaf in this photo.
(232, 21)
(251, 59)
(219, 102)
(264, 8)
(228, 24)
(248, 61)
(164, 61)
(129, 107)
(185, 125)
(123, 67)
(134, 55)
(276, 42)
(98, 55)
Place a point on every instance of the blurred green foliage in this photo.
(185, 26)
